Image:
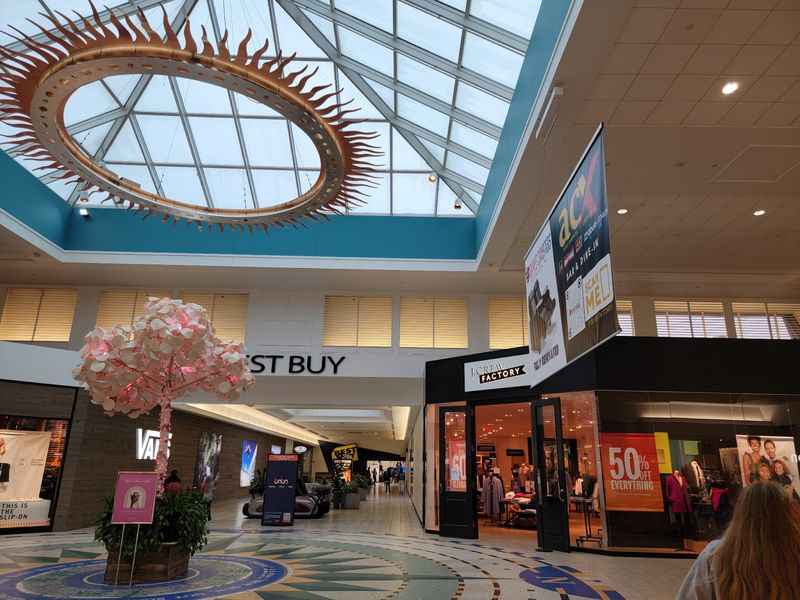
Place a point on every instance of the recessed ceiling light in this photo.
(622, 211)
(432, 177)
(759, 213)
(84, 212)
(730, 87)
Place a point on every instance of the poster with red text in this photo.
(630, 472)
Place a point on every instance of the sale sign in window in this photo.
(630, 472)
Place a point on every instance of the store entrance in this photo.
(553, 483)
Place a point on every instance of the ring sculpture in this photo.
(38, 83)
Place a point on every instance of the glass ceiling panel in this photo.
(413, 194)
(181, 183)
(229, 188)
(436, 35)
(452, 111)
(422, 77)
(374, 12)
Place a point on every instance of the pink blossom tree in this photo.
(170, 351)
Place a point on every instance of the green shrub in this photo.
(181, 518)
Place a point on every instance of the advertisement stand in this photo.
(134, 504)
(279, 489)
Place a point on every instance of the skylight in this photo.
(434, 81)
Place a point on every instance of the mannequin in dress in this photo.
(679, 505)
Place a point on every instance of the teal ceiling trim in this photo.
(546, 33)
(31, 202)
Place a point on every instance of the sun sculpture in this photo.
(38, 82)
(169, 352)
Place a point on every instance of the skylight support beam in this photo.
(137, 131)
(292, 8)
(129, 7)
(136, 93)
(403, 47)
(212, 11)
(439, 140)
(187, 128)
(460, 19)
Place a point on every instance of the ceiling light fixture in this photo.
(38, 84)
(730, 87)
(84, 212)
(759, 213)
(622, 211)
(432, 177)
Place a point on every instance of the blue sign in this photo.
(279, 489)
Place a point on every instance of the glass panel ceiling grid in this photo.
(433, 78)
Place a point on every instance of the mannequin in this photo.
(694, 473)
(679, 505)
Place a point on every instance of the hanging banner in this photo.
(279, 489)
(631, 472)
(248, 468)
(206, 469)
(22, 460)
(768, 458)
(568, 279)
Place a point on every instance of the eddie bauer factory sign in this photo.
(294, 364)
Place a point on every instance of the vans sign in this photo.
(496, 373)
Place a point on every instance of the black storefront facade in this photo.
(703, 403)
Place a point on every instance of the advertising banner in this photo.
(206, 469)
(134, 498)
(496, 373)
(768, 458)
(631, 472)
(456, 465)
(24, 513)
(22, 460)
(279, 489)
(568, 280)
(249, 454)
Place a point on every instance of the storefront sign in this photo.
(25, 513)
(300, 449)
(134, 498)
(147, 441)
(496, 373)
(630, 472)
(486, 448)
(349, 452)
(294, 364)
(568, 280)
(279, 490)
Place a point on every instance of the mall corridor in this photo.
(378, 551)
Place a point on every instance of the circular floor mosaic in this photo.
(210, 576)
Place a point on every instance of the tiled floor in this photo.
(378, 551)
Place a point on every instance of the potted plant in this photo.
(179, 529)
(363, 484)
(351, 497)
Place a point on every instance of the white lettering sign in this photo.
(147, 444)
(509, 371)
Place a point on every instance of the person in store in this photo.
(679, 505)
(757, 556)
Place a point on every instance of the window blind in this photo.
(508, 322)
(625, 317)
(227, 312)
(38, 315)
(364, 321)
(433, 322)
(123, 307)
(682, 318)
(768, 321)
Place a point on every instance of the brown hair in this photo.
(754, 560)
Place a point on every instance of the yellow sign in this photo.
(349, 452)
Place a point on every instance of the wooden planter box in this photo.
(169, 562)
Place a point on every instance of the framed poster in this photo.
(206, 469)
(631, 472)
(768, 458)
(248, 469)
(568, 278)
(134, 498)
(279, 489)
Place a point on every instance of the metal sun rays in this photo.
(37, 84)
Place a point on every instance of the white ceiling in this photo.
(689, 164)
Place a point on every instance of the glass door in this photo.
(552, 495)
(457, 516)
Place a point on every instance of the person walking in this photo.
(387, 481)
(757, 558)
(374, 475)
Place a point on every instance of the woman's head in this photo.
(754, 442)
(780, 467)
(762, 539)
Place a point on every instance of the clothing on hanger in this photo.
(491, 495)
